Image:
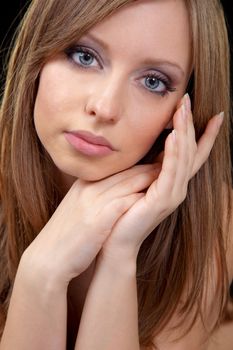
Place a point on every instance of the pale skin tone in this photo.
(114, 101)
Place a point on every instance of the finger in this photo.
(191, 139)
(160, 156)
(165, 181)
(192, 145)
(116, 208)
(206, 142)
(104, 185)
(181, 125)
(133, 184)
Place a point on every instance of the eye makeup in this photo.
(83, 57)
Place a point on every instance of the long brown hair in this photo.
(182, 249)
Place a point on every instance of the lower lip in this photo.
(87, 148)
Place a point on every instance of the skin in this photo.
(114, 99)
(112, 102)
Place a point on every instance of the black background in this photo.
(14, 10)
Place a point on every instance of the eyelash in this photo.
(157, 75)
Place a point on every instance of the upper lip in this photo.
(91, 138)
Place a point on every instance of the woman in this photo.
(113, 207)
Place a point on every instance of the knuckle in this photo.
(120, 206)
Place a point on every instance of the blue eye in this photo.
(152, 82)
(157, 83)
(83, 57)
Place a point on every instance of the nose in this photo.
(105, 100)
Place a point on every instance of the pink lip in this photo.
(91, 138)
(89, 144)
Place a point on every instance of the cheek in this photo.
(55, 104)
(151, 119)
(51, 96)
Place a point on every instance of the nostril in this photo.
(92, 113)
(103, 109)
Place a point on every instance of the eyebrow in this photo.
(147, 61)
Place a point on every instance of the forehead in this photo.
(157, 28)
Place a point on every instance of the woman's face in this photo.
(122, 81)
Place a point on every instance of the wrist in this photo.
(120, 251)
(39, 276)
(119, 260)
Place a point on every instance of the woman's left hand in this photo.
(182, 159)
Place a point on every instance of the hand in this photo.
(77, 230)
(182, 159)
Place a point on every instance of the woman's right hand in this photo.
(77, 230)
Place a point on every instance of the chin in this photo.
(87, 174)
(90, 177)
(87, 171)
(95, 176)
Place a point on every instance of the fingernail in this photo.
(220, 118)
(186, 101)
